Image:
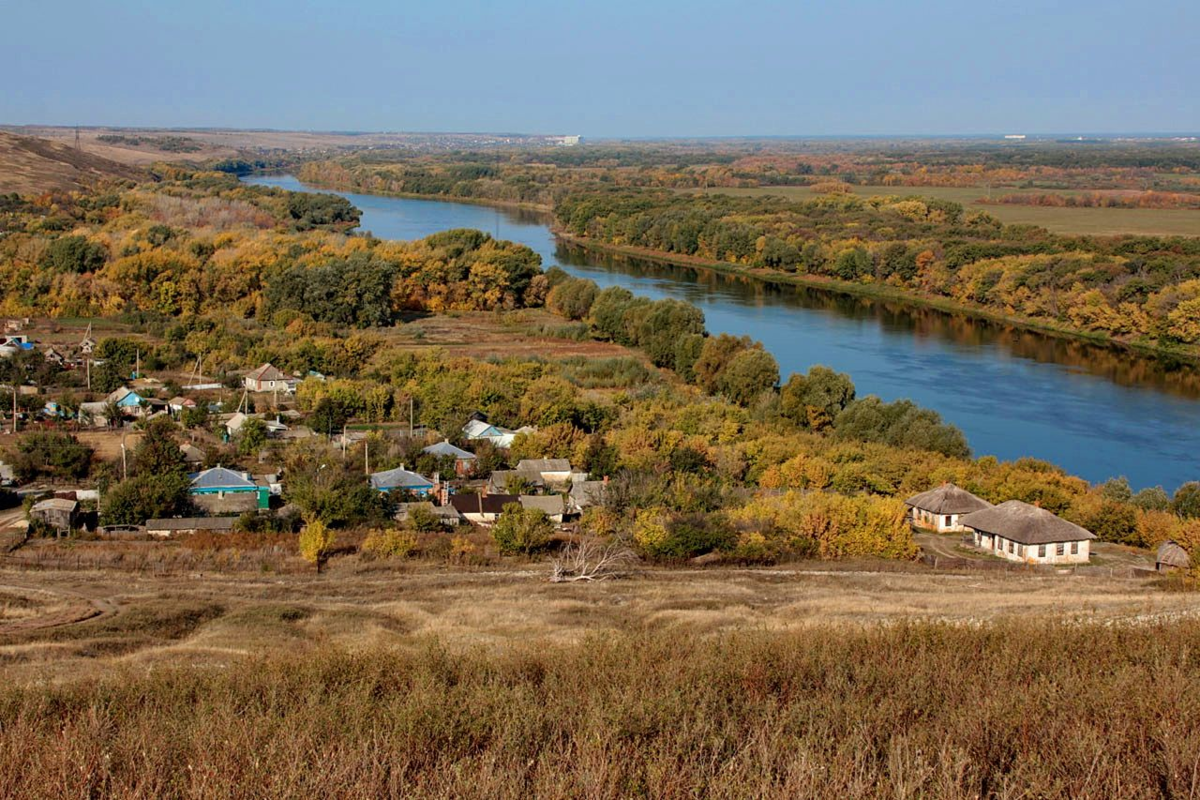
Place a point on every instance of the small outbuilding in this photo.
(56, 513)
(940, 509)
(1172, 557)
(1020, 532)
(181, 526)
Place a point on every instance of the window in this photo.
(1060, 549)
(1012, 547)
(1041, 551)
(947, 520)
(1074, 548)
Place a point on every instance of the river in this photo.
(1098, 412)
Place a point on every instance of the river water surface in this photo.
(1096, 411)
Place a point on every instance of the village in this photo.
(256, 413)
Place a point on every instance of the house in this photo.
(1172, 557)
(482, 509)
(56, 513)
(553, 506)
(445, 515)
(502, 481)
(464, 461)
(940, 509)
(53, 356)
(127, 401)
(1020, 532)
(7, 476)
(223, 491)
(162, 528)
(180, 404)
(481, 430)
(553, 472)
(94, 414)
(268, 379)
(401, 480)
(585, 494)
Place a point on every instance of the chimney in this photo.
(606, 480)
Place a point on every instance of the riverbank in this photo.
(513, 205)
(870, 291)
(884, 293)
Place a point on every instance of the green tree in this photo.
(814, 400)
(252, 436)
(521, 530)
(143, 497)
(158, 451)
(747, 375)
(74, 254)
(50, 454)
(1186, 502)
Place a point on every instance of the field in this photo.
(30, 166)
(1098, 221)
(418, 681)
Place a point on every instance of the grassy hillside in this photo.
(29, 165)
(911, 710)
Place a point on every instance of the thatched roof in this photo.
(1025, 524)
(1170, 554)
(948, 499)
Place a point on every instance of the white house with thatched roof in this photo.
(1020, 532)
(940, 509)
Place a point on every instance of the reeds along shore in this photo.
(920, 709)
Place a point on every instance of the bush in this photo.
(521, 530)
(389, 543)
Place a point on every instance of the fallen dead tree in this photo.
(591, 560)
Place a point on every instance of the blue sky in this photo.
(614, 68)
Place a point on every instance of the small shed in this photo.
(57, 513)
(1172, 557)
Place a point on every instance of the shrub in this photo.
(389, 543)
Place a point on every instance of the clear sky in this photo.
(611, 68)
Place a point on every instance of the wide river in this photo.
(1096, 411)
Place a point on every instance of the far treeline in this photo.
(1142, 290)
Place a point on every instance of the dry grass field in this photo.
(30, 165)
(386, 680)
(1094, 221)
(208, 616)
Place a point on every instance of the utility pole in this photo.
(367, 456)
(343, 442)
(88, 361)
(14, 388)
(410, 417)
(124, 462)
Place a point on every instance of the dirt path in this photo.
(79, 608)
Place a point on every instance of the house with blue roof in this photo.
(128, 401)
(222, 490)
(401, 480)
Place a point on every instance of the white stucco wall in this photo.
(942, 523)
(1033, 554)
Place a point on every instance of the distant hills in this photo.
(29, 165)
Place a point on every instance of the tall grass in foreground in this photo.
(912, 710)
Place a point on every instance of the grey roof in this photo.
(221, 478)
(551, 504)
(948, 499)
(444, 448)
(498, 482)
(543, 465)
(55, 504)
(588, 493)
(1172, 555)
(192, 524)
(1025, 524)
(399, 478)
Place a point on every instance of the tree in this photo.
(715, 355)
(747, 375)
(145, 496)
(814, 400)
(1186, 502)
(252, 436)
(521, 530)
(158, 451)
(330, 494)
(316, 542)
(74, 254)
(50, 454)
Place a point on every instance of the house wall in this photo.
(227, 502)
(1033, 553)
(942, 523)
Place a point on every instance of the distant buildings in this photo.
(268, 379)
(223, 491)
(401, 480)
